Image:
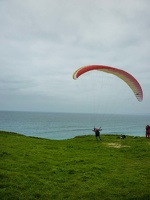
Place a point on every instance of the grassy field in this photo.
(78, 168)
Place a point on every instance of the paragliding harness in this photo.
(123, 136)
(97, 132)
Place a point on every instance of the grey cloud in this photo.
(44, 42)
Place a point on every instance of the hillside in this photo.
(113, 168)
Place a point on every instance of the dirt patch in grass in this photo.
(116, 145)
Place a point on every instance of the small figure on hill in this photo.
(97, 133)
(147, 131)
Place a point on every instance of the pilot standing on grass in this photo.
(97, 133)
(147, 131)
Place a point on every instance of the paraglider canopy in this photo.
(125, 76)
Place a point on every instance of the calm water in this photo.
(65, 125)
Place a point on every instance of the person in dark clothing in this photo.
(147, 131)
(97, 133)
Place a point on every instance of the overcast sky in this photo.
(42, 42)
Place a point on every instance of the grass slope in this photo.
(33, 168)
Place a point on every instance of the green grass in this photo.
(78, 168)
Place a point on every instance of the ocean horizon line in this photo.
(65, 112)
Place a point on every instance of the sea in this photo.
(60, 126)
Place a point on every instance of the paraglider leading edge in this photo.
(125, 76)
